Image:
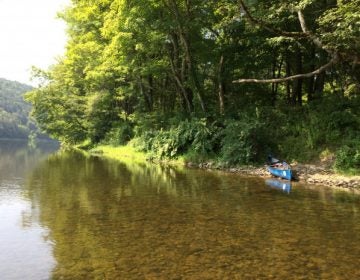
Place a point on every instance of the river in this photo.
(68, 215)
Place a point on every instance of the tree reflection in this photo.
(111, 220)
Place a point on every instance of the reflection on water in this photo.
(108, 220)
(24, 252)
(283, 185)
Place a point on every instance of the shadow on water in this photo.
(111, 220)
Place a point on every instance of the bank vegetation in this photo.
(220, 81)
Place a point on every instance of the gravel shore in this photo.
(304, 173)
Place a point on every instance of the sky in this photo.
(30, 35)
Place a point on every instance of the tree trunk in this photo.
(178, 71)
(297, 95)
(150, 92)
(183, 35)
(276, 72)
(192, 71)
(221, 84)
(144, 94)
(277, 85)
(319, 85)
(288, 85)
(311, 80)
(273, 75)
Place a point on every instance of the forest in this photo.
(14, 111)
(227, 81)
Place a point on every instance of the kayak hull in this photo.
(280, 172)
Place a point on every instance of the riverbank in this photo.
(305, 173)
(316, 174)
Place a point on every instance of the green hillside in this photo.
(14, 111)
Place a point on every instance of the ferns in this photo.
(237, 142)
(178, 139)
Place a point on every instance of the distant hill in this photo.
(14, 111)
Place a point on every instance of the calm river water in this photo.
(65, 215)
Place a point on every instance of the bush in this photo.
(245, 141)
(195, 135)
(348, 158)
(242, 141)
(120, 134)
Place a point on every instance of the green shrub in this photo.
(332, 121)
(120, 134)
(348, 158)
(296, 148)
(195, 135)
(150, 122)
(245, 141)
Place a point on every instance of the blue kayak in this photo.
(279, 168)
(281, 171)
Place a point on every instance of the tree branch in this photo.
(304, 34)
(294, 77)
(267, 27)
(308, 33)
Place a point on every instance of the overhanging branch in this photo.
(264, 25)
(289, 78)
(308, 33)
(304, 34)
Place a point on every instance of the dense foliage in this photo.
(163, 72)
(14, 111)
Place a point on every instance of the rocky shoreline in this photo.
(304, 173)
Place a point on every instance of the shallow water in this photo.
(65, 215)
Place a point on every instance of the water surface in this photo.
(24, 251)
(65, 215)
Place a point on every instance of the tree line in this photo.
(14, 111)
(229, 79)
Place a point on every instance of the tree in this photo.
(340, 45)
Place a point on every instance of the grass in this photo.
(129, 153)
(122, 153)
